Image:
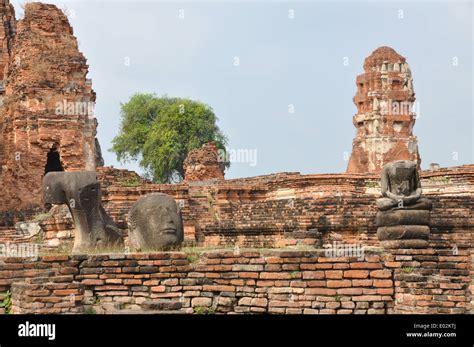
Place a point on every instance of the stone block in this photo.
(403, 232)
(402, 217)
(397, 244)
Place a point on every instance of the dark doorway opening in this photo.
(53, 162)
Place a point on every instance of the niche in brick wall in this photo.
(53, 162)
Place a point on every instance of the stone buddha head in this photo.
(155, 223)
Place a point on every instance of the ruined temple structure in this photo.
(384, 119)
(46, 125)
(203, 164)
(46, 117)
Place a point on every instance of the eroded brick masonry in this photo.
(46, 125)
(46, 118)
(385, 113)
(289, 282)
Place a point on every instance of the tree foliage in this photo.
(160, 131)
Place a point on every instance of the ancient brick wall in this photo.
(472, 278)
(44, 297)
(338, 206)
(432, 281)
(290, 282)
(46, 120)
(287, 209)
(108, 176)
(314, 210)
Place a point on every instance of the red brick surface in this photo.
(383, 136)
(187, 284)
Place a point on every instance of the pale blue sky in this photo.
(283, 61)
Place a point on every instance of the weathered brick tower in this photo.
(384, 119)
(46, 117)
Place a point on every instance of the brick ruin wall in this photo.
(286, 209)
(274, 211)
(289, 282)
(46, 115)
(282, 210)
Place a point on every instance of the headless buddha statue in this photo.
(403, 219)
(401, 188)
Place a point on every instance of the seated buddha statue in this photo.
(401, 187)
(403, 219)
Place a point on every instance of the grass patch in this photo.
(372, 184)
(40, 237)
(204, 310)
(6, 303)
(41, 216)
(440, 179)
(294, 274)
(89, 310)
(193, 257)
(407, 270)
(96, 300)
(130, 182)
(64, 248)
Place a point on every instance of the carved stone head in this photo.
(155, 222)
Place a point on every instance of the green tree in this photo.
(160, 131)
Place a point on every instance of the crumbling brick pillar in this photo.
(204, 164)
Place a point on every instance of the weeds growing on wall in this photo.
(6, 303)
